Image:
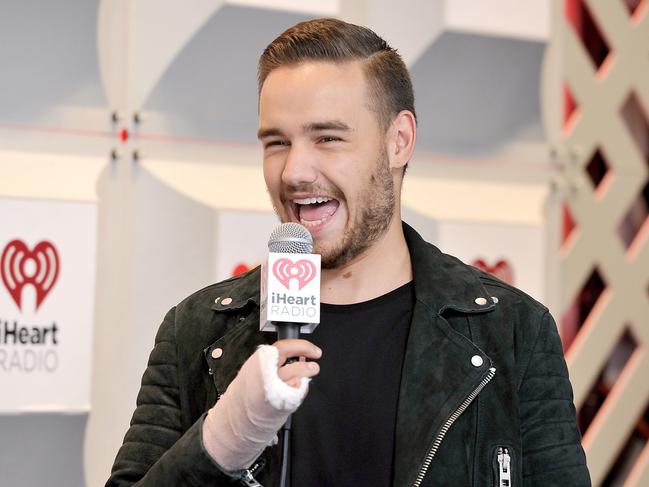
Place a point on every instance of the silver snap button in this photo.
(477, 361)
(217, 353)
(480, 301)
(226, 301)
(217, 300)
(494, 299)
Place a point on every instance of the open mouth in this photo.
(315, 211)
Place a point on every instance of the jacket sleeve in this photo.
(552, 452)
(156, 452)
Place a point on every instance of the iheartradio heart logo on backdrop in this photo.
(20, 266)
(501, 269)
(240, 268)
(303, 270)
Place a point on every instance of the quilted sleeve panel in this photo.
(552, 452)
(156, 452)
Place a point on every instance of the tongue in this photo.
(318, 211)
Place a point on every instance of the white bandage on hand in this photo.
(247, 417)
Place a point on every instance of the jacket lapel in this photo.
(240, 312)
(438, 373)
(235, 346)
(437, 377)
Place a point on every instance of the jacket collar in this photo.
(442, 281)
(237, 292)
(440, 370)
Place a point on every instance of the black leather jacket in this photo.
(484, 393)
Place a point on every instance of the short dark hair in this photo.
(337, 41)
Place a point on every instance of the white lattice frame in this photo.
(599, 124)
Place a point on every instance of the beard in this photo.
(376, 209)
(375, 205)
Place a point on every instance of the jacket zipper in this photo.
(247, 477)
(504, 467)
(449, 422)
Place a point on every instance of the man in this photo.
(426, 371)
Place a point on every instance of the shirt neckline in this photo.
(390, 297)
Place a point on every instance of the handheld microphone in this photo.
(290, 309)
(290, 238)
(290, 292)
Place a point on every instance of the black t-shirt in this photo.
(343, 434)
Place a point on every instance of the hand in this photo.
(257, 402)
(293, 372)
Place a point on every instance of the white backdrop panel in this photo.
(242, 240)
(515, 249)
(45, 346)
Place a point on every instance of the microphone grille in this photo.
(290, 238)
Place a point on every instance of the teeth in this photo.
(313, 223)
(311, 201)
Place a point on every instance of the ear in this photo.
(401, 138)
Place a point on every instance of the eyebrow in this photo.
(271, 132)
(311, 127)
(329, 125)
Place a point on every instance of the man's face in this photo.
(325, 162)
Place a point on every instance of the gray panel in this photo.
(48, 54)
(42, 449)
(475, 94)
(210, 90)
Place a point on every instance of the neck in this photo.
(380, 269)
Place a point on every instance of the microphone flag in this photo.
(291, 290)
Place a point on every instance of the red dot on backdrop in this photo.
(123, 135)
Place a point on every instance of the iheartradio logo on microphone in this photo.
(303, 271)
(20, 266)
(293, 288)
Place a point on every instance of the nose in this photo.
(299, 167)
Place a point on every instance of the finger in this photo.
(296, 347)
(297, 370)
(294, 382)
